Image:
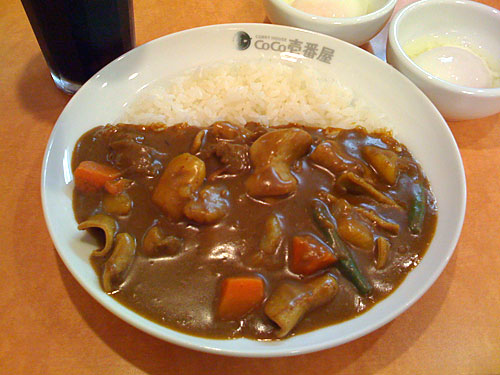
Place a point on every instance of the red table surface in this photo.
(50, 325)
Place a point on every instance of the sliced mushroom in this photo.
(156, 243)
(271, 156)
(378, 220)
(273, 235)
(209, 206)
(269, 242)
(180, 180)
(332, 132)
(340, 206)
(118, 263)
(292, 300)
(349, 227)
(271, 180)
(352, 183)
(253, 131)
(382, 252)
(328, 154)
(105, 223)
(117, 204)
(225, 130)
(383, 161)
(198, 141)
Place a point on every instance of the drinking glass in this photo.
(79, 37)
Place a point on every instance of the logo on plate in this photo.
(242, 40)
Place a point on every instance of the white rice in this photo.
(264, 91)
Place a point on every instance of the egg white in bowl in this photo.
(454, 60)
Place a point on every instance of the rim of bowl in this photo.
(294, 12)
(399, 18)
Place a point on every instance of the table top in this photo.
(50, 325)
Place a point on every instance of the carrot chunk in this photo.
(115, 187)
(310, 255)
(91, 176)
(239, 295)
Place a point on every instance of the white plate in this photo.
(418, 125)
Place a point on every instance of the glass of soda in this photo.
(79, 37)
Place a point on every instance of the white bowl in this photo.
(478, 22)
(355, 30)
(416, 121)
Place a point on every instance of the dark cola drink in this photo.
(79, 37)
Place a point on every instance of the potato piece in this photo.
(117, 204)
(383, 161)
(271, 156)
(355, 232)
(119, 261)
(181, 178)
(291, 301)
(209, 206)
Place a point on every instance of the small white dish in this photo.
(416, 121)
(354, 30)
(478, 23)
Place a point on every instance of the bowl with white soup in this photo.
(454, 60)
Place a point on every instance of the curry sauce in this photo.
(250, 199)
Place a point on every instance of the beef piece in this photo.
(129, 154)
(234, 156)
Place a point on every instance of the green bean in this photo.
(416, 213)
(346, 264)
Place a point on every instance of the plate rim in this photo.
(272, 348)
